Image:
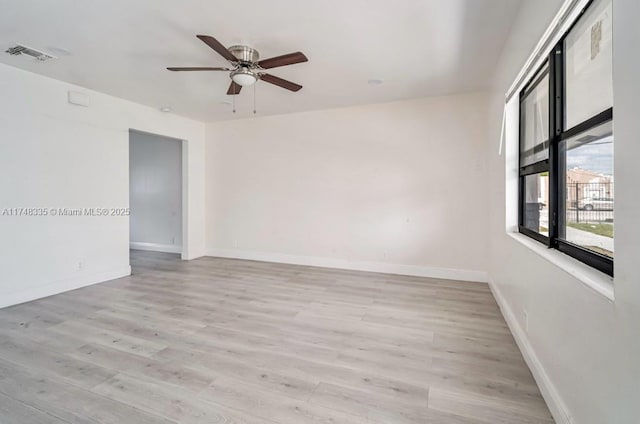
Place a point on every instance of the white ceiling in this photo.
(122, 47)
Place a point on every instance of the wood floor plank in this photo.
(178, 405)
(268, 378)
(16, 412)
(244, 342)
(382, 409)
(27, 316)
(183, 375)
(486, 408)
(110, 337)
(66, 401)
(356, 379)
(107, 357)
(239, 395)
(52, 364)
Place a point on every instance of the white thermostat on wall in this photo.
(80, 99)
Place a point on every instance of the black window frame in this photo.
(555, 65)
(536, 167)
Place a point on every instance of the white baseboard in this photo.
(61, 286)
(155, 247)
(380, 267)
(549, 392)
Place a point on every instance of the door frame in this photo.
(184, 188)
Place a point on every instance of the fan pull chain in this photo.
(234, 100)
(254, 99)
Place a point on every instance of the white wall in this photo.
(155, 192)
(584, 349)
(56, 155)
(396, 187)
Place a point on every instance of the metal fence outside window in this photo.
(590, 202)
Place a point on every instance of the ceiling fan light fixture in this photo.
(244, 77)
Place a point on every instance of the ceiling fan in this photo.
(247, 66)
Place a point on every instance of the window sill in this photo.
(597, 281)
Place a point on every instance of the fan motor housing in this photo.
(245, 54)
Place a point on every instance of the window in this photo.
(534, 157)
(588, 62)
(566, 144)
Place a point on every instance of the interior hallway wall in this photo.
(155, 192)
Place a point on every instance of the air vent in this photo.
(19, 49)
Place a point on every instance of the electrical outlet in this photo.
(526, 321)
(80, 265)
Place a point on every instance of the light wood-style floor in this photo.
(239, 342)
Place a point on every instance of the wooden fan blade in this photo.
(280, 82)
(234, 88)
(287, 59)
(198, 69)
(218, 47)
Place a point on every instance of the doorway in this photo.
(156, 188)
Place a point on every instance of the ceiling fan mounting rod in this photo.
(245, 54)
